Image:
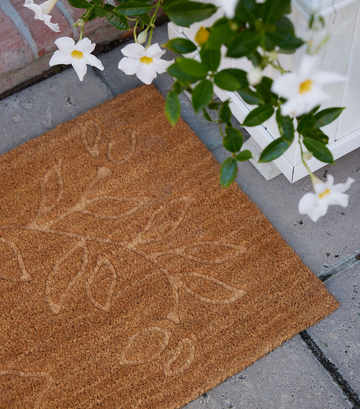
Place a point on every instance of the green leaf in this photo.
(244, 156)
(133, 8)
(119, 22)
(80, 4)
(319, 135)
(225, 112)
(273, 10)
(172, 107)
(210, 58)
(318, 149)
(306, 124)
(240, 75)
(259, 115)
(219, 35)
(186, 13)
(255, 58)
(274, 150)
(233, 140)
(168, 3)
(264, 89)
(192, 67)
(207, 116)
(326, 116)
(284, 36)
(145, 18)
(176, 71)
(244, 43)
(100, 12)
(227, 81)
(202, 94)
(246, 10)
(228, 172)
(250, 97)
(181, 46)
(287, 129)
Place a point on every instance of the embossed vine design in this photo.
(53, 177)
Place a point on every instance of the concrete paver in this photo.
(338, 334)
(37, 109)
(288, 377)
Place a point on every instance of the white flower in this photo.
(42, 12)
(228, 7)
(316, 204)
(303, 89)
(145, 63)
(78, 55)
(254, 76)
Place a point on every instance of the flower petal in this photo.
(85, 46)
(343, 187)
(337, 198)
(318, 211)
(79, 67)
(154, 51)
(47, 6)
(59, 58)
(286, 85)
(36, 9)
(307, 203)
(135, 51)
(326, 77)
(54, 26)
(65, 45)
(295, 106)
(161, 65)
(308, 66)
(94, 61)
(129, 65)
(146, 73)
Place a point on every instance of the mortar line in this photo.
(15, 17)
(332, 370)
(60, 5)
(324, 276)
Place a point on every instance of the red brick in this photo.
(14, 50)
(100, 26)
(43, 35)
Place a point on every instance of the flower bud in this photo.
(202, 36)
(79, 23)
(307, 155)
(254, 76)
(141, 38)
(273, 55)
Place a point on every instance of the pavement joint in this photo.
(350, 394)
(343, 265)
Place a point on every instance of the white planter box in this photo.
(341, 54)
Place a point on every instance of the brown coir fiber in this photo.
(128, 278)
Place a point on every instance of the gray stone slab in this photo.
(37, 109)
(322, 244)
(288, 377)
(338, 335)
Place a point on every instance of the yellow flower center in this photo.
(305, 86)
(146, 60)
(77, 54)
(202, 36)
(324, 194)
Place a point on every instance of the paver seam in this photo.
(343, 265)
(97, 74)
(332, 370)
(11, 12)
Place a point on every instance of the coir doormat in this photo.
(128, 278)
